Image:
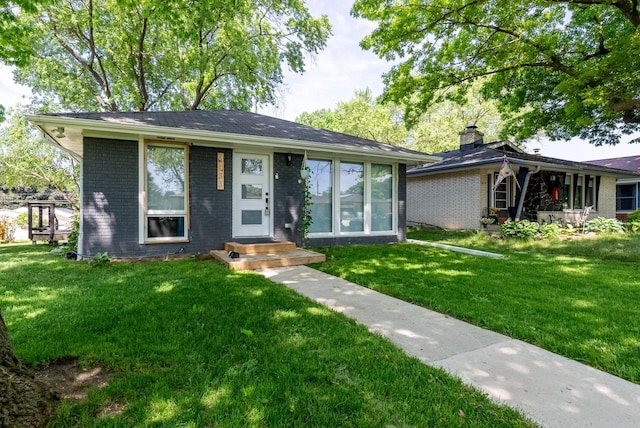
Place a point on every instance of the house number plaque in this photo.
(220, 171)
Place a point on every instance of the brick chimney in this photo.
(470, 138)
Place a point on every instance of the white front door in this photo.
(251, 195)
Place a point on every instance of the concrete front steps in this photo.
(266, 255)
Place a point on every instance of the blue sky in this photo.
(341, 69)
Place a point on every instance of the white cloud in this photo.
(10, 92)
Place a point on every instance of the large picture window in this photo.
(363, 203)
(321, 185)
(381, 198)
(166, 195)
(351, 197)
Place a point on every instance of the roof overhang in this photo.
(496, 162)
(74, 130)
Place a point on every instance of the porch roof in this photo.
(492, 154)
(233, 128)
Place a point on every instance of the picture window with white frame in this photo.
(363, 204)
(166, 192)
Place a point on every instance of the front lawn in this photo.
(577, 298)
(192, 344)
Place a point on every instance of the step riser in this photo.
(262, 260)
(263, 264)
(272, 247)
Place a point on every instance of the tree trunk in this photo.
(24, 400)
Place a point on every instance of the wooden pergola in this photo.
(44, 225)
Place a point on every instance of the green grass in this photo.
(576, 298)
(193, 344)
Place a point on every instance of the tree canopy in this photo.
(362, 117)
(26, 161)
(125, 55)
(437, 130)
(563, 67)
(14, 38)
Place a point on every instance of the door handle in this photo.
(266, 201)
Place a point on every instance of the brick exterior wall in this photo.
(110, 197)
(288, 198)
(458, 200)
(110, 201)
(210, 208)
(606, 198)
(111, 211)
(451, 200)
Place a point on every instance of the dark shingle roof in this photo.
(237, 122)
(630, 163)
(493, 153)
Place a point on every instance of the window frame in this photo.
(581, 193)
(336, 206)
(634, 198)
(332, 198)
(509, 194)
(145, 214)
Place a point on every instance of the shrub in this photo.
(8, 228)
(72, 239)
(551, 230)
(524, 229)
(634, 217)
(633, 222)
(100, 259)
(604, 225)
(22, 220)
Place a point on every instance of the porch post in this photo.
(523, 182)
(595, 202)
(524, 186)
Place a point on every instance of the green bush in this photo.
(22, 220)
(633, 222)
(634, 217)
(524, 229)
(72, 239)
(551, 230)
(604, 225)
(100, 259)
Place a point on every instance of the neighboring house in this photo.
(627, 189)
(156, 183)
(456, 192)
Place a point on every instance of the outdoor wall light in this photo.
(60, 132)
(289, 159)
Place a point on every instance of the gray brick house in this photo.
(157, 183)
(458, 190)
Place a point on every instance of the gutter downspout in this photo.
(52, 141)
(523, 193)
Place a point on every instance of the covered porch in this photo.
(552, 196)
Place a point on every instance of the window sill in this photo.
(166, 241)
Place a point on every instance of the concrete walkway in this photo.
(552, 390)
